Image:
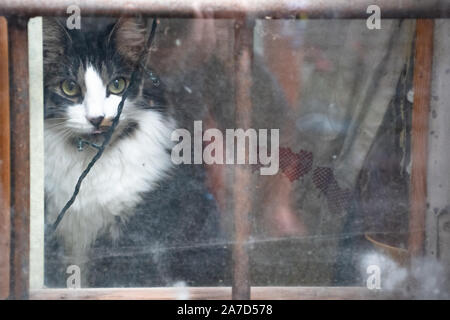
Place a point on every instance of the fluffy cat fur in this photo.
(138, 220)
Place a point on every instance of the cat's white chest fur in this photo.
(112, 188)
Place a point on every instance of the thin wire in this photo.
(108, 134)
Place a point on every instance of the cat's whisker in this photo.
(65, 133)
(55, 125)
(55, 119)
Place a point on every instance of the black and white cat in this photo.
(138, 220)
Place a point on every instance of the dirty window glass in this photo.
(168, 159)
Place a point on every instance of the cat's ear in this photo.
(129, 36)
(55, 39)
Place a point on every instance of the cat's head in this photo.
(86, 72)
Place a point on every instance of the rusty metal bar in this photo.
(233, 8)
(243, 53)
(20, 156)
(423, 61)
(5, 191)
(216, 293)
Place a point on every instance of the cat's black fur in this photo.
(173, 236)
(174, 233)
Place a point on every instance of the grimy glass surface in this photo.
(317, 154)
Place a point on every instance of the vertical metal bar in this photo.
(20, 156)
(419, 141)
(243, 52)
(5, 191)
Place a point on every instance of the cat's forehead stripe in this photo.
(93, 81)
(95, 93)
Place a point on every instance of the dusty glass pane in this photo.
(326, 165)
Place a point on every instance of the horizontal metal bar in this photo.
(232, 8)
(214, 293)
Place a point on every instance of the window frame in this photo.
(15, 260)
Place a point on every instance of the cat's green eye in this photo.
(70, 88)
(117, 86)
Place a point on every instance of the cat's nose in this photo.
(96, 121)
